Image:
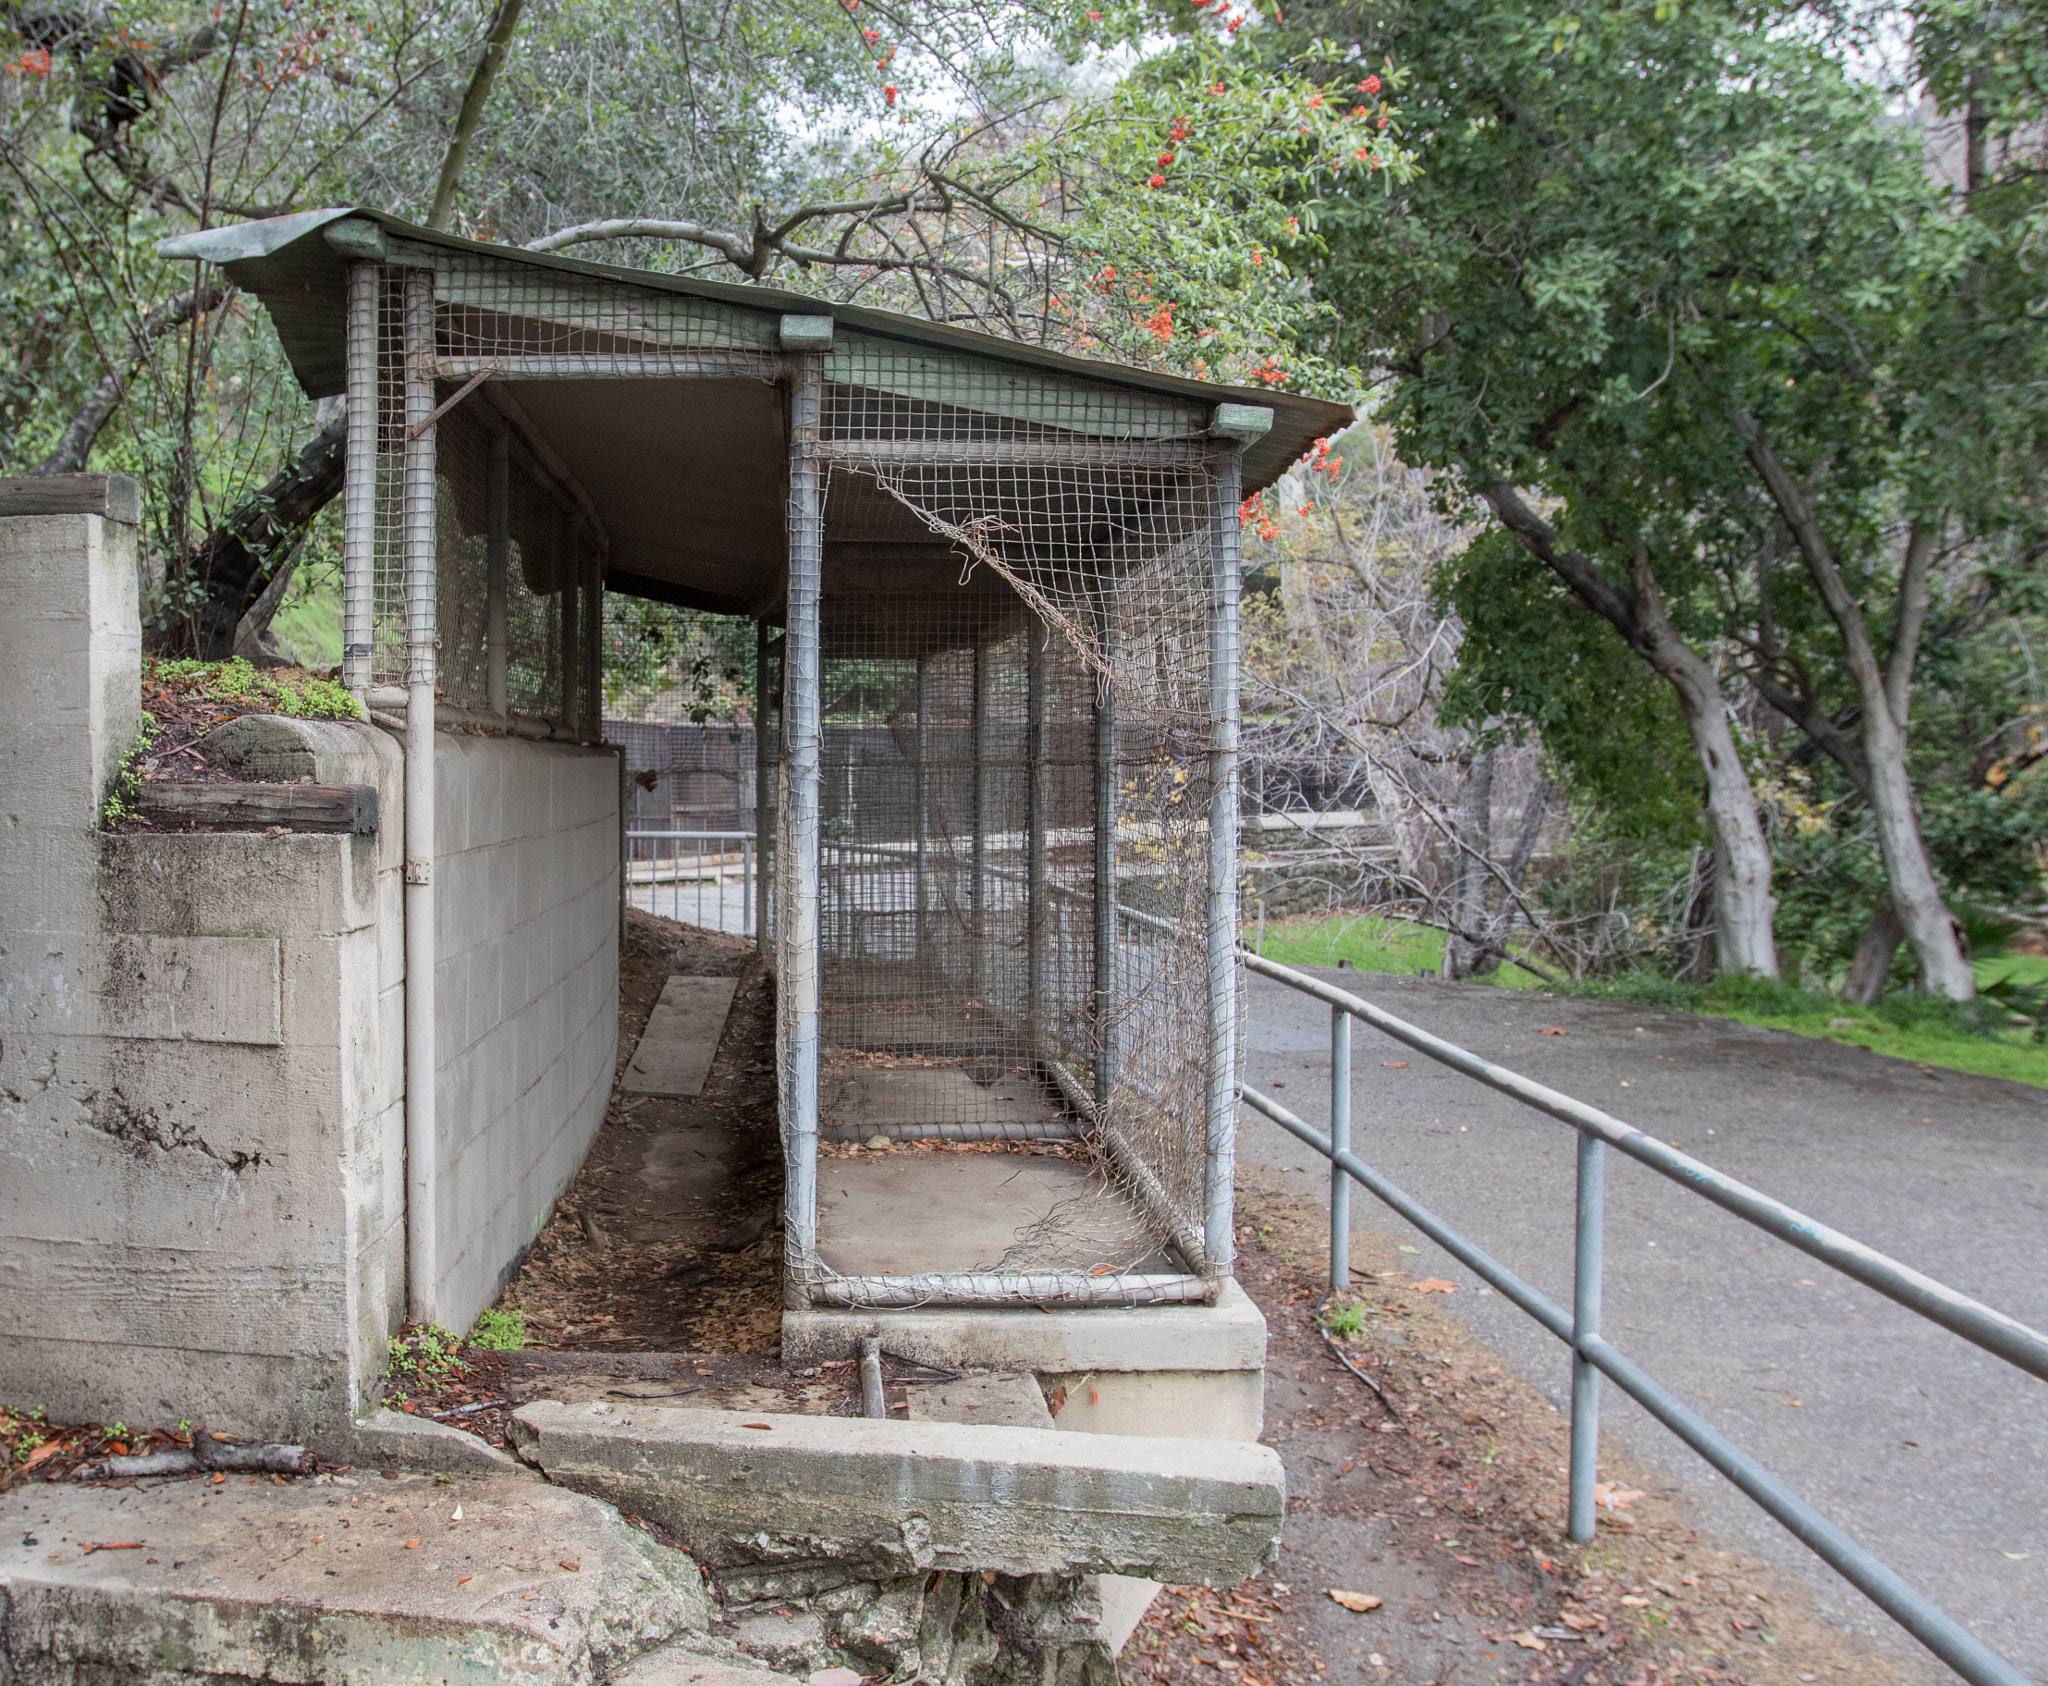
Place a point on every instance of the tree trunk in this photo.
(1915, 894)
(233, 562)
(1743, 903)
(1463, 958)
(1872, 966)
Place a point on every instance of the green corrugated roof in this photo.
(301, 278)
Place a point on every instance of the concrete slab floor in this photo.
(683, 1032)
(857, 1100)
(916, 1208)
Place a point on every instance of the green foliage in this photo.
(661, 661)
(1536, 655)
(498, 1331)
(1921, 1028)
(127, 786)
(1345, 1319)
(304, 696)
(422, 1357)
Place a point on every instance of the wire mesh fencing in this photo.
(1004, 716)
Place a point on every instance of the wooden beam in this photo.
(348, 809)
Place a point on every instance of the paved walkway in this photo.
(1933, 1454)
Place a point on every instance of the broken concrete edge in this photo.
(892, 1498)
(1229, 1335)
(387, 1439)
(207, 1593)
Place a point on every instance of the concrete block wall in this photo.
(202, 1108)
(527, 868)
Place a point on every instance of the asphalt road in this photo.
(1931, 1453)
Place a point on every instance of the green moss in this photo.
(498, 1331)
(266, 691)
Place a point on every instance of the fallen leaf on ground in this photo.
(1056, 1401)
(1551, 1030)
(1469, 1562)
(1434, 1285)
(1797, 1403)
(48, 1449)
(113, 1545)
(571, 1565)
(1528, 1641)
(466, 1579)
(1357, 1601)
(1613, 1495)
(1630, 1601)
(1395, 1065)
(1578, 1623)
(757, 1425)
(411, 1545)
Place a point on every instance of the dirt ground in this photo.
(1436, 1488)
(667, 1241)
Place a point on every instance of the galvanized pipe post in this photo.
(422, 1067)
(1105, 1008)
(359, 493)
(797, 859)
(1340, 1141)
(1221, 1165)
(1586, 1263)
(1038, 797)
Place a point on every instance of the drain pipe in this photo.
(422, 1144)
(873, 1401)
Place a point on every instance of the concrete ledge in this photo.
(386, 1439)
(899, 1498)
(1229, 1335)
(315, 1584)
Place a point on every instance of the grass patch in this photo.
(498, 1331)
(1904, 1027)
(257, 691)
(1372, 942)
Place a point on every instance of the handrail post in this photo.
(1340, 1140)
(1585, 1469)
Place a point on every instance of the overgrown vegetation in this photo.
(424, 1356)
(236, 683)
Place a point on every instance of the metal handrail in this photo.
(1579, 1328)
(673, 860)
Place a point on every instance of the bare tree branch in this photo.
(75, 446)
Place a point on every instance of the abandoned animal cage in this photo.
(1002, 781)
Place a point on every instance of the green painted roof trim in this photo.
(298, 266)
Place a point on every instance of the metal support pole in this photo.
(797, 859)
(1340, 1140)
(359, 500)
(977, 888)
(1038, 797)
(873, 1401)
(1104, 1005)
(764, 785)
(568, 576)
(921, 805)
(497, 553)
(1580, 1522)
(1221, 1165)
(422, 1142)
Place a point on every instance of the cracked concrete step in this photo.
(680, 1665)
(901, 1497)
(333, 1582)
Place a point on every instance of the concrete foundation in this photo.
(870, 1498)
(202, 1208)
(494, 1580)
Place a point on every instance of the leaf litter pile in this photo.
(1425, 1532)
